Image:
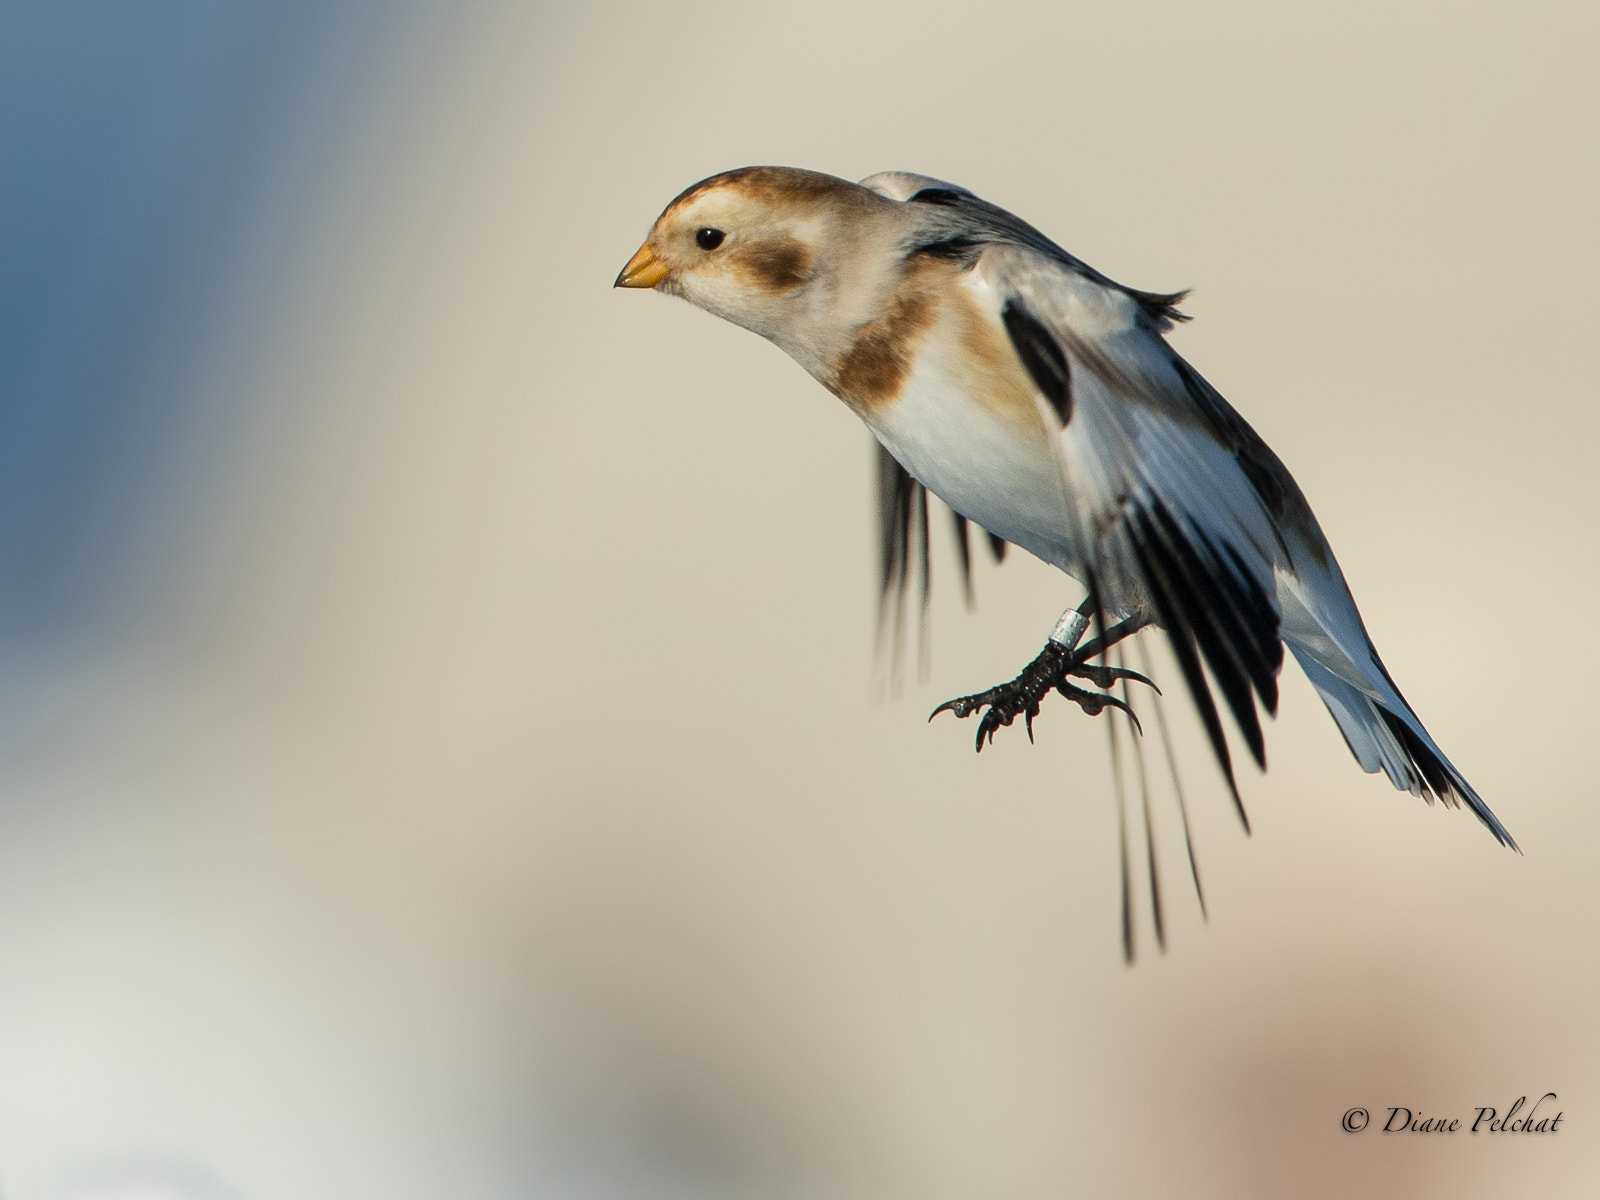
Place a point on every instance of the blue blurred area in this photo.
(129, 135)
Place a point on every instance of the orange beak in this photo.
(644, 270)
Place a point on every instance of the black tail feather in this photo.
(904, 554)
(1432, 774)
(963, 555)
(1157, 913)
(1177, 786)
(924, 642)
(1119, 793)
(896, 495)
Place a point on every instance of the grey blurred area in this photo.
(133, 138)
(438, 744)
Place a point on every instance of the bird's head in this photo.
(764, 247)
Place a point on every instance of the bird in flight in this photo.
(1040, 400)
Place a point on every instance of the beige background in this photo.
(476, 786)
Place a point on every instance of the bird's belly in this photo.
(993, 462)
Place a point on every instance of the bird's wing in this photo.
(1172, 487)
(1177, 502)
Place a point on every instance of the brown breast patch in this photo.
(986, 364)
(872, 371)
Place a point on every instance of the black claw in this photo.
(1047, 673)
(962, 706)
(1106, 677)
(1094, 703)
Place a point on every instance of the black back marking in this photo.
(957, 248)
(936, 195)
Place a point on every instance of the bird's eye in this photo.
(708, 239)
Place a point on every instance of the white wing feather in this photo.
(1140, 437)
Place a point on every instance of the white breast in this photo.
(970, 426)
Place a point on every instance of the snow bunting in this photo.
(1039, 399)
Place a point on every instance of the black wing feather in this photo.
(1235, 629)
(1041, 355)
(1211, 609)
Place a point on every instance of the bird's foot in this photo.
(1049, 672)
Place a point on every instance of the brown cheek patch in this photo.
(872, 371)
(777, 265)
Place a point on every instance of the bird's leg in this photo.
(1061, 658)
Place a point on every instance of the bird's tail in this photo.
(1385, 734)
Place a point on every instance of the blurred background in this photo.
(440, 752)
